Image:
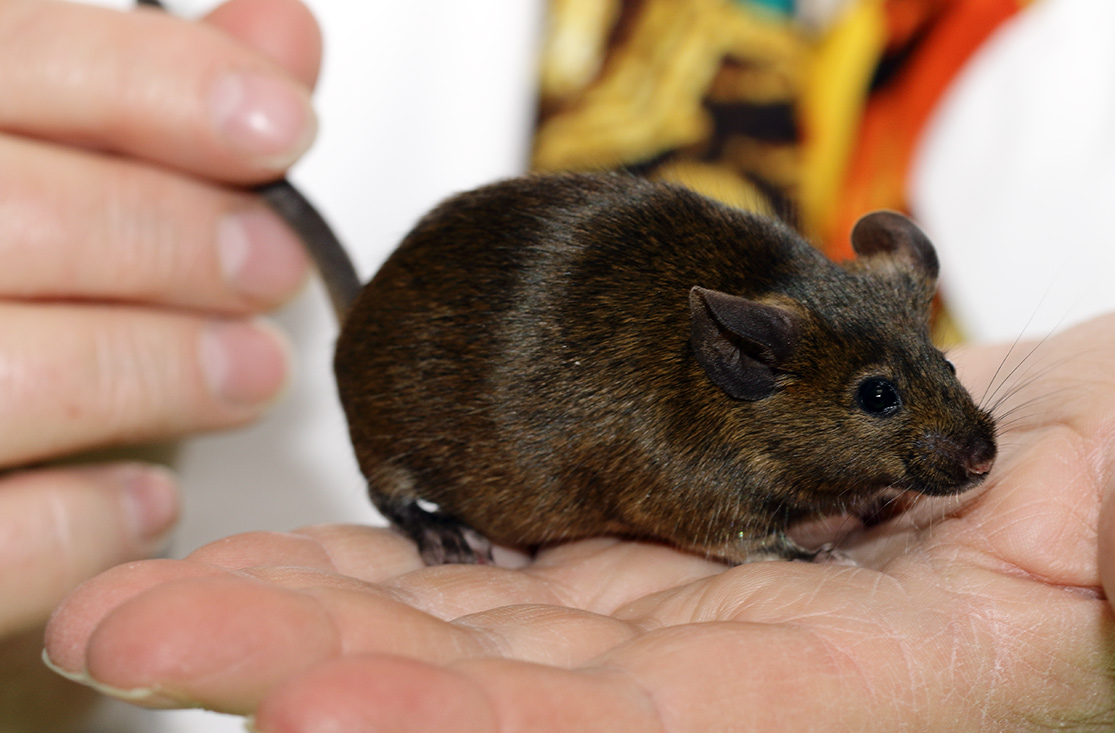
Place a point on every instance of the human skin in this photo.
(133, 269)
(987, 612)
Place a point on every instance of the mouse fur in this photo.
(557, 357)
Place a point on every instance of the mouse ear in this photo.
(891, 235)
(739, 342)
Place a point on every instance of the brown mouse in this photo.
(556, 357)
(550, 358)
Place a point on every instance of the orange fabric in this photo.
(896, 114)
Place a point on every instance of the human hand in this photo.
(983, 613)
(131, 268)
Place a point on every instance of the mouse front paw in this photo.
(829, 555)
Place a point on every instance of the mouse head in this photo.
(839, 379)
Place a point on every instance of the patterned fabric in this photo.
(808, 110)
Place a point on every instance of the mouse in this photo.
(555, 357)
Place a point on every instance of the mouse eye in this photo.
(877, 396)
(951, 366)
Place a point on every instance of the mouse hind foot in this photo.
(441, 538)
(780, 547)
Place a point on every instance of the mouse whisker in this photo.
(1021, 412)
(1026, 361)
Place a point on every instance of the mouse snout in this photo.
(946, 464)
(980, 458)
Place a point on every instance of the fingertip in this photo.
(149, 495)
(262, 118)
(221, 640)
(290, 35)
(77, 616)
(72, 675)
(259, 114)
(260, 257)
(246, 364)
(182, 94)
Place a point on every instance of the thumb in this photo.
(61, 526)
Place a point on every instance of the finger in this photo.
(398, 695)
(371, 554)
(603, 575)
(79, 377)
(595, 575)
(153, 86)
(77, 617)
(520, 612)
(284, 31)
(223, 641)
(59, 527)
(255, 549)
(154, 649)
(85, 226)
(373, 693)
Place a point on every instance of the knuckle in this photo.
(139, 379)
(145, 227)
(78, 378)
(87, 226)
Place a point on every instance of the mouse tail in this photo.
(325, 249)
(329, 255)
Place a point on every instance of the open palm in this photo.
(984, 614)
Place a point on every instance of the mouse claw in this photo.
(828, 555)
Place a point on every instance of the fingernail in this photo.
(150, 499)
(139, 695)
(244, 362)
(264, 117)
(260, 257)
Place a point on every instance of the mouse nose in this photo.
(980, 458)
(979, 468)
